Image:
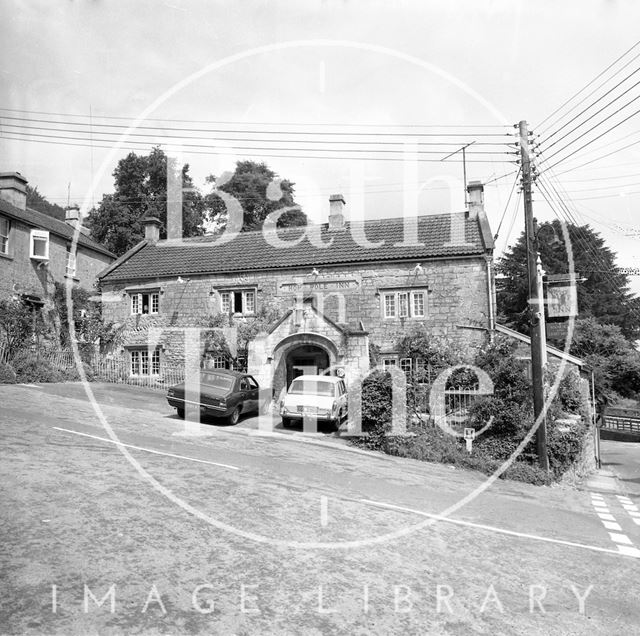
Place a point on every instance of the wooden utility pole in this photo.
(536, 303)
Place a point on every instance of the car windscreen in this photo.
(312, 387)
(219, 381)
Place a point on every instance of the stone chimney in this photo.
(336, 212)
(476, 199)
(151, 229)
(13, 188)
(72, 216)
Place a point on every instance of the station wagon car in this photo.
(323, 397)
(223, 393)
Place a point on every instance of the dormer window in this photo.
(39, 245)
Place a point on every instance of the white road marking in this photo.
(512, 533)
(611, 525)
(603, 516)
(624, 498)
(629, 551)
(147, 450)
(323, 511)
(629, 507)
(620, 538)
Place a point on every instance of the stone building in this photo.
(37, 250)
(332, 290)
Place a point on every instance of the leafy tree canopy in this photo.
(259, 191)
(140, 191)
(604, 295)
(37, 201)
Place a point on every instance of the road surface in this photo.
(115, 521)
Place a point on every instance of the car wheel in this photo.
(181, 413)
(234, 417)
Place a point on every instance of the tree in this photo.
(259, 191)
(36, 201)
(16, 325)
(141, 191)
(613, 359)
(604, 295)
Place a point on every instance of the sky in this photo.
(324, 76)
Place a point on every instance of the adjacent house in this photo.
(335, 289)
(37, 250)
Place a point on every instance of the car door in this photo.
(342, 396)
(254, 393)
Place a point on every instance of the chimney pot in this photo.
(13, 188)
(151, 229)
(336, 212)
(475, 189)
(72, 216)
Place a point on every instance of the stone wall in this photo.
(457, 300)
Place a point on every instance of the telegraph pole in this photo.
(536, 302)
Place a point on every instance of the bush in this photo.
(528, 473)
(569, 394)
(564, 447)
(7, 374)
(30, 368)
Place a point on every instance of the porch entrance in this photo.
(306, 360)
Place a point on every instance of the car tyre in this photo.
(234, 417)
(181, 413)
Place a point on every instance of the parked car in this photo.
(225, 394)
(321, 396)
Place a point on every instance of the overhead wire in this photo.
(592, 140)
(592, 104)
(253, 123)
(583, 122)
(589, 83)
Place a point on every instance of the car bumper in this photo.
(181, 403)
(319, 417)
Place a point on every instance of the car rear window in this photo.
(219, 381)
(312, 387)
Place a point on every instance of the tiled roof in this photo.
(251, 251)
(46, 222)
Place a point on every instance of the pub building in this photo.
(336, 288)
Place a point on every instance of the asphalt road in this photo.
(623, 459)
(285, 535)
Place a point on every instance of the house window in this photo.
(5, 228)
(406, 365)
(405, 303)
(241, 301)
(39, 245)
(70, 269)
(417, 304)
(144, 362)
(145, 303)
(389, 305)
(389, 362)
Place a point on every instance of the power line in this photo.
(506, 207)
(613, 152)
(592, 116)
(229, 151)
(264, 132)
(584, 99)
(590, 83)
(23, 128)
(594, 139)
(255, 123)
